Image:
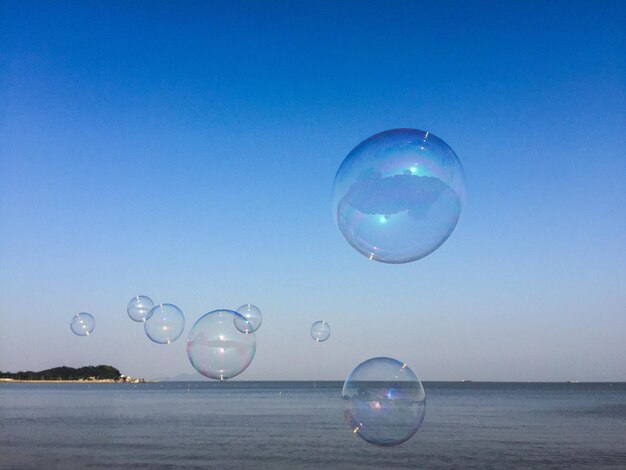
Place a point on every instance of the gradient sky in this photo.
(186, 151)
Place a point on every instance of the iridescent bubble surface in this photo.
(397, 196)
(251, 320)
(384, 402)
(217, 349)
(139, 308)
(82, 324)
(320, 331)
(165, 323)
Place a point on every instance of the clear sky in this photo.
(186, 151)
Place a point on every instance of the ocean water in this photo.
(300, 425)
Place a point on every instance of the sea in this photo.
(300, 425)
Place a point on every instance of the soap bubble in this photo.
(217, 349)
(82, 324)
(250, 318)
(320, 331)
(165, 323)
(397, 196)
(139, 308)
(384, 402)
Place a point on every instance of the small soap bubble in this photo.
(250, 319)
(397, 196)
(165, 323)
(82, 324)
(217, 349)
(139, 308)
(384, 402)
(320, 331)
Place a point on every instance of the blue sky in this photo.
(186, 151)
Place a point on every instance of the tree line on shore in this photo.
(102, 372)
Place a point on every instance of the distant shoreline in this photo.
(429, 382)
(98, 381)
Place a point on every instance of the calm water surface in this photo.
(269, 425)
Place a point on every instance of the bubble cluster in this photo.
(139, 308)
(165, 323)
(82, 324)
(217, 349)
(397, 196)
(320, 331)
(384, 402)
(250, 318)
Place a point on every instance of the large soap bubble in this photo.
(250, 318)
(398, 195)
(384, 402)
(139, 308)
(82, 324)
(320, 331)
(217, 349)
(165, 323)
